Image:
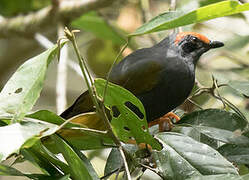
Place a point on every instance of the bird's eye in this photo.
(192, 44)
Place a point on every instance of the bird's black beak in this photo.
(215, 44)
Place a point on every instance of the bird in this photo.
(161, 76)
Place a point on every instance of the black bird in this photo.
(161, 76)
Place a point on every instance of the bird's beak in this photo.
(215, 44)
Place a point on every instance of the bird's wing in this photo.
(82, 104)
(138, 75)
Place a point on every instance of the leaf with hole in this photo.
(24, 87)
(128, 114)
(175, 19)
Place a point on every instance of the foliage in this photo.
(205, 144)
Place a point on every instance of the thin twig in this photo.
(99, 110)
(113, 64)
(194, 103)
(110, 173)
(152, 169)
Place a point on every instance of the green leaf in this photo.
(50, 157)
(50, 117)
(23, 88)
(182, 157)
(114, 161)
(36, 159)
(240, 86)
(216, 118)
(219, 134)
(236, 154)
(24, 134)
(92, 22)
(78, 167)
(171, 20)
(127, 123)
(223, 135)
(93, 136)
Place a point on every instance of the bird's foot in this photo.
(165, 122)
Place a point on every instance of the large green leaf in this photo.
(216, 118)
(92, 22)
(182, 157)
(23, 88)
(128, 114)
(23, 134)
(175, 19)
(79, 169)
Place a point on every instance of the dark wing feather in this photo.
(138, 72)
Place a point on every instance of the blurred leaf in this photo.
(100, 56)
(240, 86)
(216, 118)
(171, 20)
(236, 154)
(23, 88)
(24, 134)
(48, 116)
(92, 22)
(237, 42)
(114, 161)
(78, 167)
(12, 7)
(128, 114)
(182, 157)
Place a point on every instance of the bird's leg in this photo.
(165, 122)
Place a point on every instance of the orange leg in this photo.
(165, 122)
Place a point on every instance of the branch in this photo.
(28, 25)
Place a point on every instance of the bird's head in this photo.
(194, 44)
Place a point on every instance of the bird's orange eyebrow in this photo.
(181, 35)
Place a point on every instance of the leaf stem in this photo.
(100, 108)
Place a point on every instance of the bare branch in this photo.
(28, 25)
